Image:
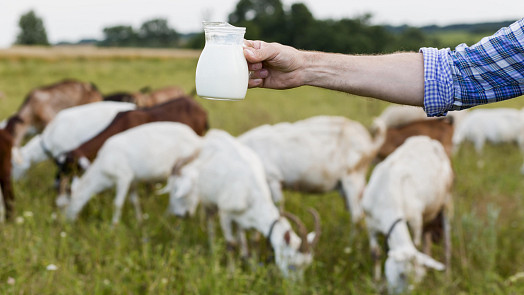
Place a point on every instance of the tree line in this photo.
(266, 20)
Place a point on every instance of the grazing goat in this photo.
(440, 129)
(458, 116)
(318, 154)
(147, 98)
(228, 176)
(158, 96)
(67, 130)
(498, 125)
(411, 186)
(6, 193)
(42, 104)
(144, 153)
(398, 115)
(184, 110)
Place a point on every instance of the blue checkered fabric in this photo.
(489, 71)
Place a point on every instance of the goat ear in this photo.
(429, 262)
(287, 237)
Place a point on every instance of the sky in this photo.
(72, 20)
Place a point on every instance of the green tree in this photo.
(119, 36)
(198, 41)
(32, 30)
(157, 33)
(267, 20)
(264, 18)
(411, 39)
(301, 25)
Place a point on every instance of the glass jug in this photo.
(222, 71)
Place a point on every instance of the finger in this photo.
(261, 74)
(248, 43)
(254, 44)
(255, 67)
(254, 55)
(257, 44)
(255, 83)
(250, 56)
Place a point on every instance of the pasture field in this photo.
(44, 254)
(453, 38)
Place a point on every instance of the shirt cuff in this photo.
(438, 82)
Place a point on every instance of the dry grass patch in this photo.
(88, 51)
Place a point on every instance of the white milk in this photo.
(222, 72)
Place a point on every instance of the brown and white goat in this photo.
(146, 98)
(67, 130)
(158, 96)
(43, 103)
(183, 110)
(440, 129)
(397, 115)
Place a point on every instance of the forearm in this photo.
(397, 78)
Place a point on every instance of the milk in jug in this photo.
(222, 71)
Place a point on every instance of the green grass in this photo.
(165, 255)
(453, 38)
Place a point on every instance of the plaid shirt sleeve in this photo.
(491, 70)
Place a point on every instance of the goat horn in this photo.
(302, 231)
(318, 230)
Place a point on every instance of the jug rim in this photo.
(216, 26)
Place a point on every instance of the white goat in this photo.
(458, 116)
(411, 186)
(318, 154)
(144, 153)
(230, 177)
(397, 115)
(67, 130)
(498, 125)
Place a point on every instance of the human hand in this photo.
(273, 65)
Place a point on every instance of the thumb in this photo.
(260, 53)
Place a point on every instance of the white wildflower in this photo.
(52, 267)
(28, 214)
(10, 281)
(19, 220)
(63, 234)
